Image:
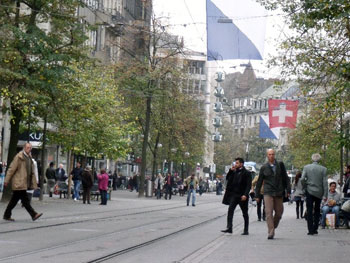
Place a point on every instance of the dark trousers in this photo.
(299, 207)
(168, 191)
(16, 196)
(313, 205)
(103, 197)
(234, 201)
(86, 194)
(258, 209)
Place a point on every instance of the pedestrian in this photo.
(314, 180)
(87, 182)
(169, 181)
(276, 182)
(332, 204)
(103, 185)
(61, 173)
(50, 175)
(261, 203)
(158, 185)
(239, 182)
(76, 177)
(346, 189)
(298, 195)
(192, 184)
(22, 177)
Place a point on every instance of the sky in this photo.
(187, 18)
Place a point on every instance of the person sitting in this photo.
(331, 205)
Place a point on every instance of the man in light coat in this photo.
(21, 172)
(314, 180)
(192, 183)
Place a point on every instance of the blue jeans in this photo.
(326, 209)
(158, 192)
(193, 192)
(76, 189)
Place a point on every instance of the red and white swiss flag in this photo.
(283, 113)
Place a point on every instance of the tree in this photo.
(145, 83)
(39, 40)
(90, 115)
(316, 53)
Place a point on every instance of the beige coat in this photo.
(18, 174)
(188, 180)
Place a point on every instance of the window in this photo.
(237, 119)
(196, 86)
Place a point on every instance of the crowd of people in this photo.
(270, 189)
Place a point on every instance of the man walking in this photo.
(21, 172)
(76, 174)
(51, 178)
(239, 182)
(314, 180)
(192, 183)
(276, 182)
(169, 182)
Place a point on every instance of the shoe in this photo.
(193, 205)
(259, 220)
(9, 219)
(75, 199)
(89, 203)
(83, 202)
(245, 233)
(228, 230)
(336, 227)
(323, 227)
(187, 204)
(315, 232)
(37, 216)
(269, 237)
(310, 233)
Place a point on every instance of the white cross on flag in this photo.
(283, 113)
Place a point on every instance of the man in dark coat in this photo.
(169, 182)
(239, 182)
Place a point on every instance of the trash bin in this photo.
(149, 188)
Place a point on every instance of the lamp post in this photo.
(187, 154)
(173, 150)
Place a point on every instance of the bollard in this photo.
(149, 188)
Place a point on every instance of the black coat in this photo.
(86, 179)
(239, 183)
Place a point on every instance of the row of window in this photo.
(245, 119)
(256, 104)
(194, 86)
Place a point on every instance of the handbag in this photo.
(285, 197)
(346, 206)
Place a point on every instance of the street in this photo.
(130, 229)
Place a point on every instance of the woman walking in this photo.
(299, 195)
(103, 185)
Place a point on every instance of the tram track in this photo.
(113, 233)
(94, 219)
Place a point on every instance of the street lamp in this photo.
(173, 150)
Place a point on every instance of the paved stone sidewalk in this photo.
(291, 243)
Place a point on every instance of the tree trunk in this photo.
(155, 151)
(144, 147)
(43, 161)
(16, 115)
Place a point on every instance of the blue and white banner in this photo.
(265, 131)
(235, 29)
